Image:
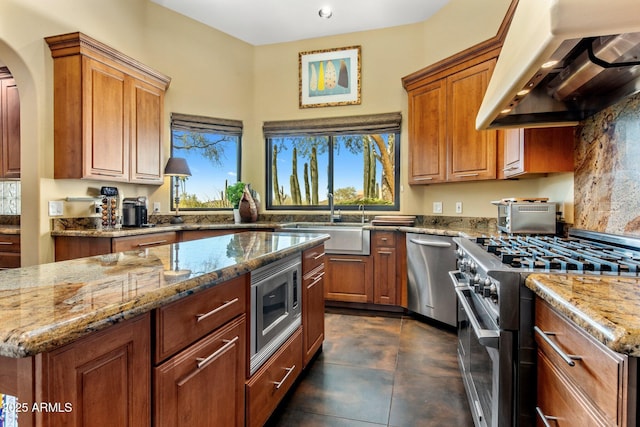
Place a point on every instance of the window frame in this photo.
(195, 123)
(388, 123)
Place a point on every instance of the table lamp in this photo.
(177, 167)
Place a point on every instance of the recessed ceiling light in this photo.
(549, 64)
(325, 12)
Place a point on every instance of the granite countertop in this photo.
(46, 306)
(9, 229)
(606, 307)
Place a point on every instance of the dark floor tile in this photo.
(350, 392)
(425, 400)
(293, 418)
(370, 342)
(427, 349)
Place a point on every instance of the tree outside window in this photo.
(212, 149)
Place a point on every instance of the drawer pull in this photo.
(157, 242)
(465, 175)
(345, 260)
(544, 418)
(203, 361)
(317, 257)
(6, 243)
(226, 304)
(316, 280)
(385, 252)
(569, 358)
(289, 370)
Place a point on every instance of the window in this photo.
(211, 148)
(356, 159)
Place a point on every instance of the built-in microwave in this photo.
(275, 307)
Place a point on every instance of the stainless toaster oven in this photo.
(526, 216)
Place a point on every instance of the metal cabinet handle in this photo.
(431, 243)
(569, 358)
(289, 371)
(202, 361)
(509, 169)
(544, 418)
(346, 259)
(226, 304)
(6, 243)
(316, 280)
(464, 175)
(385, 252)
(427, 178)
(318, 256)
(157, 242)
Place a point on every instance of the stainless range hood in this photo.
(562, 61)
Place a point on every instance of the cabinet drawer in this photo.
(10, 243)
(182, 322)
(130, 243)
(599, 372)
(311, 258)
(272, 381)
(384, 238)
(204, 383)
(9, 260)
(557, 398)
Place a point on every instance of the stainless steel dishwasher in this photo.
(429, 260)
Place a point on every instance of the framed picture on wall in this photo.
(329, 77)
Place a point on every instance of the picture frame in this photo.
(329, 77)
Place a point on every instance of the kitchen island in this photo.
(49, 311)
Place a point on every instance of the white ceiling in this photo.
(261, 22)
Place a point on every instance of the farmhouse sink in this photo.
(348, 238)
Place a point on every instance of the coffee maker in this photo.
(134, 211)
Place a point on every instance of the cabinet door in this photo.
(105, 123)
(313, 313)
(538, 151)
(10, 116)
(384, 282)
(349, 279)
(146, 133)
(471, 153)
(102, 380)
(513, 152)
(203, 385)
(427, 140)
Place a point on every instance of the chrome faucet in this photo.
(332, 216)
(361, 208)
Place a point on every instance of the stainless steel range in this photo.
(496, 350)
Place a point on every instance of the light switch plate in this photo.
(56, 207)
(437, 207)
(458, 207)
(156, 207)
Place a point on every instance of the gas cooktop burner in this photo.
(549, 253)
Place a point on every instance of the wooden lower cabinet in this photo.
(349, 278)
(385, 268)
(270, 383)
(103, 379)
(71, 247)
(593, 390)
(204, 384)
(9, 251)
(312, 302)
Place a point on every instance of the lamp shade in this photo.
(177, 166)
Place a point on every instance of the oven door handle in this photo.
(486, 337)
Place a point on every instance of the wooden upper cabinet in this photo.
(444, 145)
(427, 134)
(108, 113)
(537, 151)
(9, 126)
(471, 153)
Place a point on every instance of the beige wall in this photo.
(216, 75)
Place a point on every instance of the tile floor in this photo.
(379, 371)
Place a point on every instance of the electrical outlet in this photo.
(458, 207)
(437, 207)
(56, 207)
(156, 207)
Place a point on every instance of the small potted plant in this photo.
(234, 196)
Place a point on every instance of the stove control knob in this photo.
(459, 252)
(473, 267)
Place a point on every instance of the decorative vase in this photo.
(247, 207)
(236, 216)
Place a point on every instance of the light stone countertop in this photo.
(607, 307)
(46, 306)
(9, 229)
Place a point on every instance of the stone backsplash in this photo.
(607, 172)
